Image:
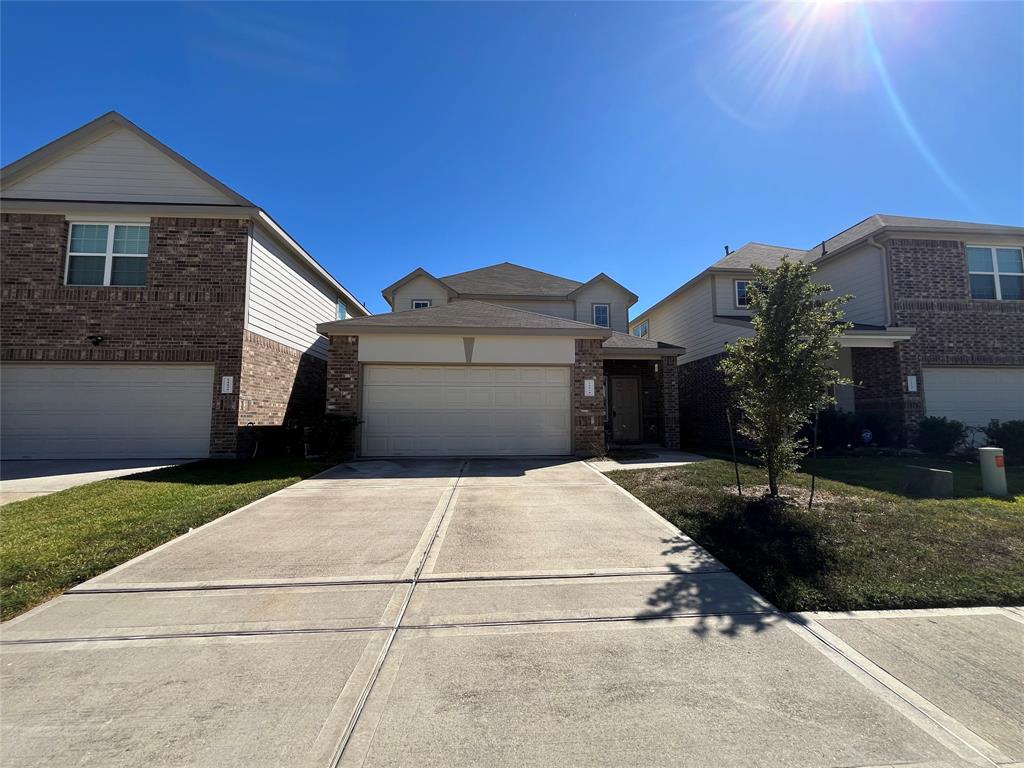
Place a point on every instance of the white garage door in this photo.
(85, 410)
(412, 410)
(974, 396)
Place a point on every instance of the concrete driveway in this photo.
(454, 613)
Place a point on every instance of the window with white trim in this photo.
(107, 254)
(601, 314)
(740, 289)
(996, 272)
(421, 303)
(342, 311)
(642, 330)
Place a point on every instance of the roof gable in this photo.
(389, 292)
(113, 160)
(601, 277)
(509, 279)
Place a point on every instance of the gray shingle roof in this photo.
(510, 280)
(877, 221)
(625, 341)
(462, 314)
(758, 253)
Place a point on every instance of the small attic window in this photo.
(421, 303)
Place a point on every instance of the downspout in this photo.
(885, 279)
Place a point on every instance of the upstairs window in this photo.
(421, 303)
(742, 297)
(342, 311)
(996, 273)
(601, 315)
(107, 254)
(642, 330)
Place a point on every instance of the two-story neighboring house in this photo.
(937, 308)
(501, 360)
(147, 309)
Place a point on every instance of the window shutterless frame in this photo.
(745, 302)
(994, 272)
(643, 330)
(421, 303)
(108, 254)
(607, 315)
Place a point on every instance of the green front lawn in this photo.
(862, 546)
(51, 543)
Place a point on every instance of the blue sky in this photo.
(634, 139)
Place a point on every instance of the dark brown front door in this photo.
(625, 409)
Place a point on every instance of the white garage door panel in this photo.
(974, 396)
(465, 410)
(106, 411)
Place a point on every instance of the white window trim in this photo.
(593, 314)
(995, 273)
(643, 330)
(425, 302)
(736, 294)
(109, 255)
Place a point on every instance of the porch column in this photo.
(588, 410)
(668, 384)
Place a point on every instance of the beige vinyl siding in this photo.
(687, 321)
(284, 300)
(564, 309)
(604, 293)
(861, 273)
(419, 288)
(119, 166)
(725, 294)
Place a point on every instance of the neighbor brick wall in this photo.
(191, 309)
(703, 398)
(279, 384)
(931, 294)
(588, 413)
(668, 379)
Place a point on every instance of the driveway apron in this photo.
(442, 613)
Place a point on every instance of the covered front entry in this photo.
(106, 411)
(635, 401)
(466, 410)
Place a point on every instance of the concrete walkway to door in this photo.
(442, 613)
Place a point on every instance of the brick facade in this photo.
(668, 380)
(280, 385)
(929, 281)
(588, 413)
(343, 376)
(703, 398)
(191, 310)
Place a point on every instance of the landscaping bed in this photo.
(863, 545)
(49, 544)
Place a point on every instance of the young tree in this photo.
(785, 373)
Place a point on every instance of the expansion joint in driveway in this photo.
(346, 737)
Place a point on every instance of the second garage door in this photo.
(974, 396)
(414, 410)
(90, 411)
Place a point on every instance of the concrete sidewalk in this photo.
(27, 478)
(449, 612)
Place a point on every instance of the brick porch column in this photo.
(588, 412)
(668, 383)
(343, 375)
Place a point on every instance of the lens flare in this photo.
(770, 56)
